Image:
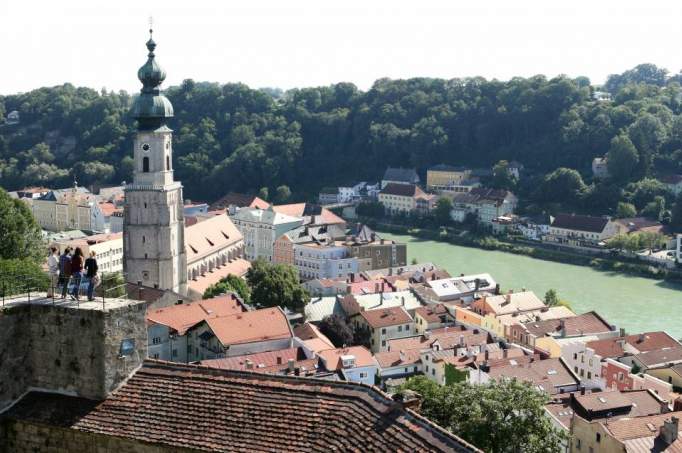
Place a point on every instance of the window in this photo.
(578, 444)
(407, 327)
(598, 437)
(175, 352)
(383, 331)
(363, 375)
(575, 356)
(433, 371)
(383, 342)
(400, 328)
(589, 375)
(145, 165)
(168, 163)
(156, 340)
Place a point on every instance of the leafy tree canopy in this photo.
(231, 283)
(276, 285)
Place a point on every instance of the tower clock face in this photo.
(146, 147)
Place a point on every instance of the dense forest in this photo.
(234, 138)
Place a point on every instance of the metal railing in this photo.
(111, 286)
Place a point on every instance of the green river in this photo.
(635, 303)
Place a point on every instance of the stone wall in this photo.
(68, 349)
(26, 437)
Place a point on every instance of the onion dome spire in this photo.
(151, 108)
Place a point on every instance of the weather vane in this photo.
(151, 26)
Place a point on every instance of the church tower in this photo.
(153, 229)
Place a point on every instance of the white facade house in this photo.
(260, 228)
(462, 287)
(584, 362)
(316, 260)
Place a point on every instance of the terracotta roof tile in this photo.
(384, 317)
(186, 406)
(238, 267)
(550, 374)
(332, 357)
(433, 313)
(645, 342)
(397, 358)
(635, 427)
(589, 323)
(251, 326)
(182, 317)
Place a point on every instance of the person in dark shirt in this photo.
(76, 272)
(91, 272)
(65, 270)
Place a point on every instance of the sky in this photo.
(297, 43)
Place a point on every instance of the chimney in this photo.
(249, 364)
(505, 352)
(622, 332)
(427, 335)
(402, 300)
(408, 399)
(349, 289)
(669, 430)
(291, 364)
(352, 277)
(297, 371)
(478, 285)
(402, 355)
(382, 286)
(433, 276)
(677, 405)
(562, 327)
(376, 287)
(497, 289)
(641, 338)
(461, 340)
(507, 299)
(390, 271)
(582, 390)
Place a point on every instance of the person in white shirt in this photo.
(53, 270)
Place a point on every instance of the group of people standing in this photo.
(71, 267)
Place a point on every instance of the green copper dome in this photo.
(151, 108)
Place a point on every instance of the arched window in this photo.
(145, 165)
(167, 163)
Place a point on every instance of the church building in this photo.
(153, 232)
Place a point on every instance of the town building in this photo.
(407, 176)
(446, 177)
(484, 203)
(154, 227)
(551, 375)
(296, 361)
(398, 364)
(283, 248)
(314, 215)
(260, 228)
(448, 366)
(233, 201)
(315, 260)
(167, 327)
(432, 317)
(68, 209)
(380, 253)
(463, 287)
(507, 304)
(581, 230)
(214, 250)
(549, 335)
(354, 363)
(237, 334)
(653, 433)
(600, 168)
(402, 198)
(108, 250)
(500, 326)
(354, 304)
(385, 324)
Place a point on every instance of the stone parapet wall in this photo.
(68, 349)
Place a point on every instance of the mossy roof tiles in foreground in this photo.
(221, 410)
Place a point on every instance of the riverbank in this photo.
(635, 303)
(539, 251)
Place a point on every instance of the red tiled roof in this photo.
(661, 356)
(384, 317)
(443, 335)
(397, 358)
(179, 407)
(326, 217)
(589, 323)
(259, 360)
(251, 326)
(648, 341)
(182, 317)
(550, 374)
(238, 267)
(308, 331)
(433, 313)
(636, 427)
(580, 222)
(332, 357)
(108, 208)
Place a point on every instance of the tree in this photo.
(622, 158)
(264, 193)
(502, 177)
(655, 208)
(231, 283)
(337, 330)
(442, 211)
(625, 210)
(21, 235)
(283, 194)
(551, 298)
(276, 285)
(563, 185)
(505, 416)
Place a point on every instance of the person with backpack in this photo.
(65, 270)
(53, 270)
(91, 272)
(76, 272)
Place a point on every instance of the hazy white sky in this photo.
(290, 43)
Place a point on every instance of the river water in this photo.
(635, 303)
